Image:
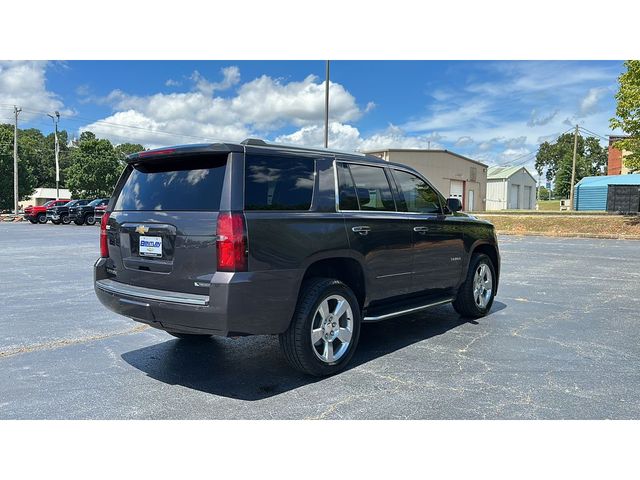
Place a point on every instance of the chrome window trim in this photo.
(395, 212)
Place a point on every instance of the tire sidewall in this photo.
(42, 218)
(322, 368)
(482, 258)
(90, 220)
(65, 220)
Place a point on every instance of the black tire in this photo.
(33, 221)
(191, 337)
(65, 220)
(465, 303)
(42, 218)
(78, 222)
(90, 219)
(55, 222)
(296, 341)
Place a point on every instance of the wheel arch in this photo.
(490, 250)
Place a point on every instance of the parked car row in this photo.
(80, 212)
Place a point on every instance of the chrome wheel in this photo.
(482, 285)
(332, 328)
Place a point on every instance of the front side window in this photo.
(415, 194)
(372, 188)
(276, 183)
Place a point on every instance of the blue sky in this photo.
(492, 111)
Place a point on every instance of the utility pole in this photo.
(16, 111)
(326, 108)
(573, 169)
(57, 152)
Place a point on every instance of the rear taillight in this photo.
(232, 242)
(104, 242)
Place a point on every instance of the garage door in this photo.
(527, 198)
(456, 190)
(514, 197)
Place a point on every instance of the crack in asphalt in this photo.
(66, 342)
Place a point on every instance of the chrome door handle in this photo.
(362, 229)
(422, 230)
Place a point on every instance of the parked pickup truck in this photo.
(86, 213)
(38, 214)
(256, 238)
(60, 214)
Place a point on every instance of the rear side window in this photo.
(372, 188)
(180, 184)
(277, 183)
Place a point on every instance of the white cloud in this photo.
(540, 119)
(347, 137)
(172, 83)
(24, 84)
(258, 107)
(231, 77)
(591, 101)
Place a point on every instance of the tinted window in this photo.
(182, 184)
(273, 183)
(71, 203)
(415, 194)
(348, 197)
(96, 202)
(372, 188)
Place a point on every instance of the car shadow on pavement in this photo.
(253, 368)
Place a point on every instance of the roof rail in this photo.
(254, 141)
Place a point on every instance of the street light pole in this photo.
(56, 119)
(16, 111)
(326, 108)
(573, 168)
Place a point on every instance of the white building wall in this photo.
(496, 194)
(525, 201)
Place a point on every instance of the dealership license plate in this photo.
(150, 246)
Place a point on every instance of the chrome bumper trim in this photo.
(152, 294)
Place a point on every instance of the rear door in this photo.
(437, 239)
(162, 229)
(376, 229)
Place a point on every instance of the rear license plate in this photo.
(150, 246)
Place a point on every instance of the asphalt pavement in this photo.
(561, 342)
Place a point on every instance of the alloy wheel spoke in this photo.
(316, 335)
(323, 309)
(341, 308)
(327, 354)
(344, 335)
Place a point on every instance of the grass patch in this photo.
(602, 225)
(549, 205)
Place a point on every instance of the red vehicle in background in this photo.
(38, 214)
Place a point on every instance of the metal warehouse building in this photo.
(510, 188)
(614, 193)
(452, 174)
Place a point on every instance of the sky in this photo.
(495, 112)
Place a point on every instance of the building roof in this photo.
(501, 173)
(629, 179)
(420, 150)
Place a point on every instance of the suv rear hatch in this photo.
(162, 229)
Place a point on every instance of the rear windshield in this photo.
(182, 184)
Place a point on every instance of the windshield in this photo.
(95, 203)
(70, 204)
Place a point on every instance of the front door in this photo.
(437, 238)
(380, 234)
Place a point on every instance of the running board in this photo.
(406, 311)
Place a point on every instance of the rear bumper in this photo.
(234, 303)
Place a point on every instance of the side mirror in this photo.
(454, 204)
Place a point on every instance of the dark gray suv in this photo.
(257, 238)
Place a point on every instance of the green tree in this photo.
(557, 159)
(628, 113)
(94, 168)
(26, 179)
(125, 149)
